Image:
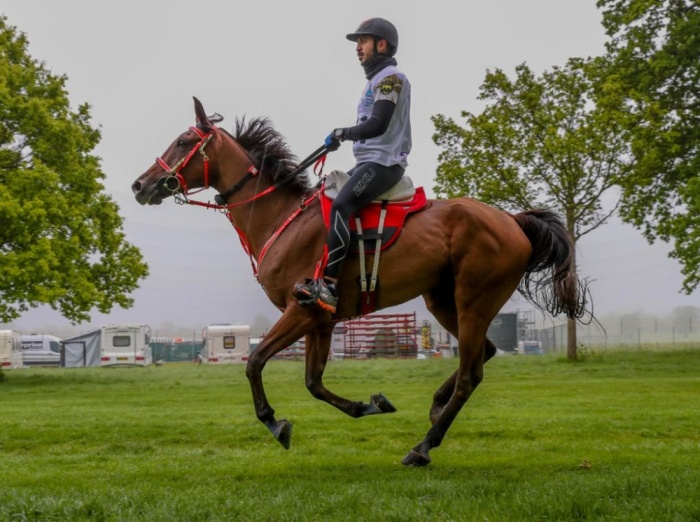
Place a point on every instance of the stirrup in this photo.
(310, 293)
(305, 292)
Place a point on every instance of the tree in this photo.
(686, 319)
(261, 325)
(540, 142)
(61, 239)
(654, 59)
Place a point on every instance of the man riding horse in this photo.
(471, 257)
(381, 144)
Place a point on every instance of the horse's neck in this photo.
(261, 217)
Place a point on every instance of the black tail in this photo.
(556, 288)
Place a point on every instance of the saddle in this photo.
(374, 228)
(399, 201)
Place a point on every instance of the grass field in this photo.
(614, 437)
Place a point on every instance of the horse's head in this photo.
(206, 156)
(183, 166)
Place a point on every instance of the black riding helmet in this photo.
(378, 28)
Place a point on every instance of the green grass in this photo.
(615, 437)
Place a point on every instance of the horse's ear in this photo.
(199, 113)
(215, 118)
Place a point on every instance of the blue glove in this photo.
(332, 141)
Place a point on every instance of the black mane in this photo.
(269, 151)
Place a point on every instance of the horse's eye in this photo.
(180, 144)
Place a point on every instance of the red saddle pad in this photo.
(369, 219)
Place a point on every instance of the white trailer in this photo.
(125, 345)
(226, 343)
(10, 349)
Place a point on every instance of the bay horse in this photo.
(463, 257)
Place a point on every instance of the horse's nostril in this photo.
(136, 187)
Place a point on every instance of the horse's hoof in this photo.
(283, 433)
(416, 459)
(382, 403)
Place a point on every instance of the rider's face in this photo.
(365, 48)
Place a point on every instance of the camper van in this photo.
(226, 343)
(125, 345)
(41, 350)
(10, 349)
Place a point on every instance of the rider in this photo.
(381, 143)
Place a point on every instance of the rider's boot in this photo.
(317, 292)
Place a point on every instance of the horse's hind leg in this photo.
(444, 392)
(318, 345)
(472, 335)
(445, 311)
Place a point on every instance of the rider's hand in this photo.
(332, 141)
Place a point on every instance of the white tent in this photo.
(83, 350)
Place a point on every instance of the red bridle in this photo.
(318, 156)
(199, 146)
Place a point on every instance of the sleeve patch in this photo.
(389, 88)
(386, 87)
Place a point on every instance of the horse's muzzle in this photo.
(168, 185)
(154, 193)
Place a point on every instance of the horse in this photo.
(463, 257)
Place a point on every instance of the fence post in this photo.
(656, 332)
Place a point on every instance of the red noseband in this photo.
(199, 146)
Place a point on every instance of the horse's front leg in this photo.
(318, 344)
(293, 324)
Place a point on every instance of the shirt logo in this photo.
(368, 98)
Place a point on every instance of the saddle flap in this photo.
(402, 191)
(396, 213)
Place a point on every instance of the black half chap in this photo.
(367, 181)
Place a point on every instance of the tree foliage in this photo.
(654, 60)
(686, 319)
(61, 239)
(540, 142)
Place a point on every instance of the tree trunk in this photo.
(571, 352)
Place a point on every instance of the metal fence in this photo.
(628, 331)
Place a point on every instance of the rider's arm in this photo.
(375, 125)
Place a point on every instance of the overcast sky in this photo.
(138, 64)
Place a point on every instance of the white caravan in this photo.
(10, 349)
(41, 350)
(125, 345)
(226, 343)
